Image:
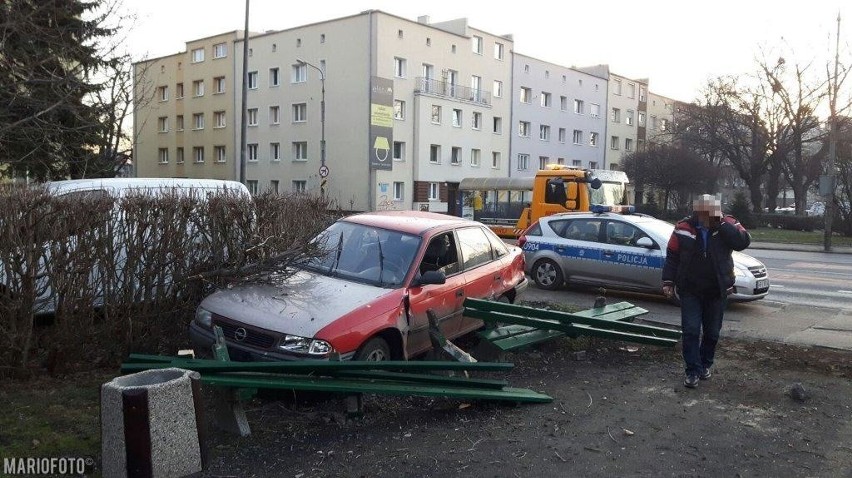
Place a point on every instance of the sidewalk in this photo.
(799, 247)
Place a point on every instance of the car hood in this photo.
(302, 305)
(745, 260)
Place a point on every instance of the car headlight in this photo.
(305, 345)
(204, 317)
(739, 272)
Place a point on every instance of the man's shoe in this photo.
(691, 381)
(705, 374)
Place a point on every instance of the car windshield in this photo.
(364, 254)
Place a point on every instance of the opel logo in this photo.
(240, 334)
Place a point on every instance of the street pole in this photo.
(322, 122)
(832, 144)
(244, 99)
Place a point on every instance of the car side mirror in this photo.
(430, 277)
(645, 242)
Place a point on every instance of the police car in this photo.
(618, 250)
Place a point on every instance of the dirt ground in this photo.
(618, 410)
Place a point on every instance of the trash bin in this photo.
(152, 424)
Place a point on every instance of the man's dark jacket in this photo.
(684, 245)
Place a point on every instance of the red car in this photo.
(366, 296)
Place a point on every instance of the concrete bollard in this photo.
(152, 424)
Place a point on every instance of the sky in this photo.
(679, 45)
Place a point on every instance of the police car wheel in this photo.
(547, 274)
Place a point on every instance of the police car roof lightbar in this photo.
(600, 208)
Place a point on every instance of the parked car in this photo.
(366, 295)
(618, 251)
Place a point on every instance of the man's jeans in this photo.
(699, 346)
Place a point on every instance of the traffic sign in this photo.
(323, 171)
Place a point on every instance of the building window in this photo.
(163, 124)
(436, 114)
(274, 77)
(495, 159)
(476, 87)
(219, 153)
(299, 74)
(179, 155)
(476, 121)
(434, 191)
(527, 69)
(179, 90)
(275, 151)
(616, 87)
(252, 80)
(476, 44)
(400, 34)
(523, 162)
(563, 103)
(457, 118)
(526, 94)
(163, 93)
(399, 109)
(593, 165)
(179, 122)
(641, 119)
(498, 89)
(576, 163)
(251, 152)
(399, 151)
(595, 110)
(498, 51)
(322, 37)
(616, 115)
(578, 137)
(628, 118)
(198, 154)
(628, 144)
(456, 156)
(545, 99)
(593, 139)
(664, 124)
(273, 186)
(251, 113)
(435, 153)
(298, 42)
(524, 129)
(251, 185)
(641, 93)
(398, 191)
(497, 125)
(198, 87)
(198, 121)
(218, 119)
(300, 151)
(653, 122)
(542, 162)
(300, 112)
(220, 50)
(274, 115)
(399, 65)
(613, 142)
(560, 161)
(475, 155)
(579, 107)
(299, 186)
(163, 154)
(562, 135)
(198, 55)
(544, 132)
(219, 85)
(631, 90)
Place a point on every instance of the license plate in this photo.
(762, 284)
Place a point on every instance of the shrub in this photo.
(788, 221)
(741, 209)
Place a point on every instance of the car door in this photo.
(626, 263)
(445, 300)
(483, 269)
(580, 248)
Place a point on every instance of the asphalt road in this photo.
(810, 301)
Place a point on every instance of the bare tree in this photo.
(676, 172)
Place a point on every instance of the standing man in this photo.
(700, 267)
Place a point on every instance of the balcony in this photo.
(443, 89)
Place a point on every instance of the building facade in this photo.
(558, 116)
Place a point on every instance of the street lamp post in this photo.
(323, 169)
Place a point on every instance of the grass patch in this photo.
(783, 236)
(50, 417)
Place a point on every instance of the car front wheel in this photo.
(375, 350)
(548, 275)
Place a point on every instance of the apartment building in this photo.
(183, 120)
(558, 116)
(411, 108)
(661, 112)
